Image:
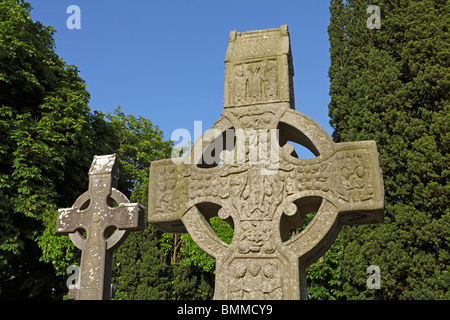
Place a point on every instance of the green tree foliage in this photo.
(44, 145)
(391, 85)
(192, 253)
(48, 138)
(153, 265)
(138, 142)
(324, 279)
(140, 268)
(324, 276)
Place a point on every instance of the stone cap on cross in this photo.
(107, 164)
(259, 68)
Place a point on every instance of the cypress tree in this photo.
(391, 85)
(140, 269)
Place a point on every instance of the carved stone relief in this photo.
(260, 263)
(259, 280)
(254, 83)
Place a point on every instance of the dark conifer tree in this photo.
(391, 85)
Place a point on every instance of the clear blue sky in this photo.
(164, 60)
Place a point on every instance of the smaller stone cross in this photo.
(105, 227)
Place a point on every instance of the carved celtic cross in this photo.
(106, 227)
(244, 171)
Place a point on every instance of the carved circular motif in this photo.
(78, 239)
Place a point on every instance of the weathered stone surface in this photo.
(243, 171)
(106, 227)
(258, 68)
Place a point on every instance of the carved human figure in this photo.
(254, 86)
(271, 82)
(240, 81)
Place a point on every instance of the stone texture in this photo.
(258, 68)
(243, 171)
(106, 227)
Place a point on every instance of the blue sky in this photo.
(164, 60)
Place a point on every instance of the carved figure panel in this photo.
(254, 82)
(260, 279)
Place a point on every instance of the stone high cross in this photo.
(106, 227)
(227, 173)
